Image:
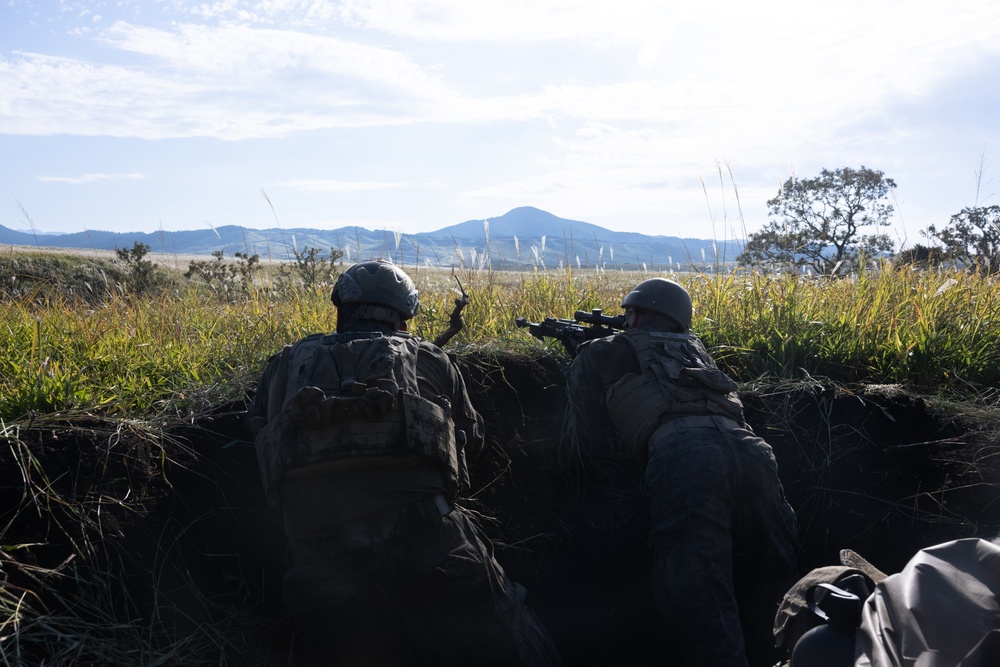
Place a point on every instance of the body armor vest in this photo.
(678, 378)
(351, 401)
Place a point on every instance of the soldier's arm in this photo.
(598, 364)
(466, 417)
(468, 421)
(261, 410)
(438, 375)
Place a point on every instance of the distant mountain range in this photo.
(521, 238)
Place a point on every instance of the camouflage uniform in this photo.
(716, 504)
(361, 439)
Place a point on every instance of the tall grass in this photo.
(73, 591)
(132, 360)
(142, 355)
(930, 330)
(182, 351)
(497, 298)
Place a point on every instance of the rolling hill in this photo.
(521, 238)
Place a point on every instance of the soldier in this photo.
(362, 436)
(716, 504)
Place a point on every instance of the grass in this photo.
(184, 349)
(34, 273)
(72, 591)
(112, 369)
(934, 331)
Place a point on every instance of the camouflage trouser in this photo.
(431, 597)
(717, 508)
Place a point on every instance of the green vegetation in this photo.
(971, 238)
(35, 275)
(817, 223)
(226, 278)
(935, 331)
(110, 367)
(177, 351)
(67, 598)
(99, 378)
(142, 274)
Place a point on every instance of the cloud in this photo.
(207, 51)
(326, 185)
(91, 178)
(230, 83)
(733, 76)
(638, 99)
(725, 26)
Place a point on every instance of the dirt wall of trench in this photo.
(875, 469)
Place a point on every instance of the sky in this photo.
(654, 116)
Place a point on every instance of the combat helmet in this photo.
(659, 295)
(377, 282)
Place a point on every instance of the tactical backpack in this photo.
(351, 402)
(678, 377)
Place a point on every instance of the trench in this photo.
(876, 469)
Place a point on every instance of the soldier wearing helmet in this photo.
(361, 438)
(719, 521)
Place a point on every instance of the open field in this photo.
(188, 344)
(133, 528)
(169, 261)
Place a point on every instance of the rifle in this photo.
(455, 321)
(571, 332)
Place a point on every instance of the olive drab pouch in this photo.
(314, 435)
(353, 402)
(635, 405)
(430, 433)
(678, 378)
(710, 378)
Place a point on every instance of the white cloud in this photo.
(91, 178)
(718, 25)
(731, 77)
(327, 185)
(638, 99)
(257, 53)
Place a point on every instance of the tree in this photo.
(143, 274)
(820, 219)
(315, 269)
(230, 278)
(971, 238)
(920, 256)
(311, 269)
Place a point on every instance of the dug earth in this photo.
(876, 469)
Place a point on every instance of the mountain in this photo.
(522, 222)
(521, 238)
